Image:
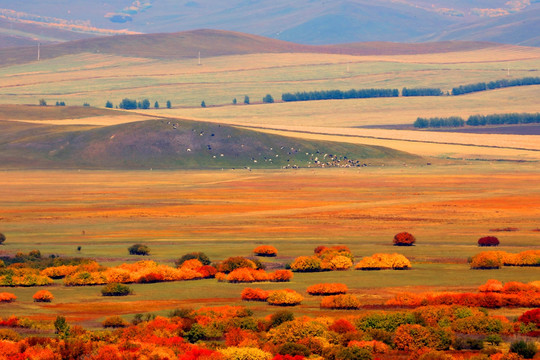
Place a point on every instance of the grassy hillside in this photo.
(173, 144)
(212, 43)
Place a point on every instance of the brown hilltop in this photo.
(218, 43)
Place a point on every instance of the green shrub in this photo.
(281, 317)
(354, 353)
(290, 348)
(525, 349)
(115, 289)
(202, 257)
(139, 249)
(114, 322)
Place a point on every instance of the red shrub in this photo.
(491, 286)
(288, 357)
(531, 316)
(207, 271)
(342, 326)
(249, 294)
(517, 287)
(150, 278)
(488, 241)
(404, 239)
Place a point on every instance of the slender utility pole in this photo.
(38, 51)
(199, 58)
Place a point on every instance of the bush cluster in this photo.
(327, 289)
(285, 297)
(43, 296)
(265, 250)
(343, 301)
(116, 290)
(404, 239)
(139, 249)
(497, 84)
(384, 261)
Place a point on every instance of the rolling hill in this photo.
(216, 43)
(302, 21)
(173, 144)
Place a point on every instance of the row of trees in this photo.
(482, 86)
(477, 120)
(339, 94)
(421, 92)
(131, 104)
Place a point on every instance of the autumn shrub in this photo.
(83, 278)
(207, 271)
(488, 241)
(6, 297)
(488, 260)
(461, 342)
(2, 238)
(293, 349)
(115, 289)
(114, 322)
(58, 272)
(191, 264)
(281, 317)
(337, 262)
(411, 337)
(384, 261)
(249, 294)
(9, 335)
(285, 297)
(281, 276)
(43, 296)
(354, 353)
(491, 285)
(374, 346)
(531, 316)
(434, 355)
(524, 258)
(235, 262)
(202, 257)
(404, 239)
(150, 278)
(244, 353)
(327, 289)
(343, 301)
(288, 357)
(265, 250)
(342, 326)
(306, 264)
(139, 249)
(247, 275)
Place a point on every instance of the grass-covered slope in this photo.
(173, 144)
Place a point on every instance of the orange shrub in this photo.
(281, 276)
(344, 301)
(285, 297)
(244, 275)
(207, 271)
(327, 289)
(491, 286)
(404, 239)
(43, 296)
(517, 287)
(377, 347)
(58, 272)
(265, 250)
(407, 299)
(342, 326)
(6, 297)
(384, 261)
(249, 294)
(192, 264)
(524, 258)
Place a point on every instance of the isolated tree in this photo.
(85, 104)
(109, 104)
(139, 249)
(268, 99)
(145, 104)
(42, 102)
(246, 100)
(2, 238)
(234, 101)
(404, 239)
(156, 105)
(488, 241)
(203, 104)
(169, 105)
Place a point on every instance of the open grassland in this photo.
(96, 78)
(229, 213)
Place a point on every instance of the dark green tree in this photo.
(203, 104)
(42, 102)
(202, 257)
(234, 101)
(128, 104)
(246, 100)
(169, 105)
(156, 105)
(109, 104)
(61, 327)
(268, 99)
(145, 104)
(139, 249)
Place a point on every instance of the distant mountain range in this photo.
(300, 21)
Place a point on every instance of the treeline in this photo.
(421, 92)
(131, 104)
(477, 120)
(339, 94)
(482, 86)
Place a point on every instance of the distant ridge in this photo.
(218, 43)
